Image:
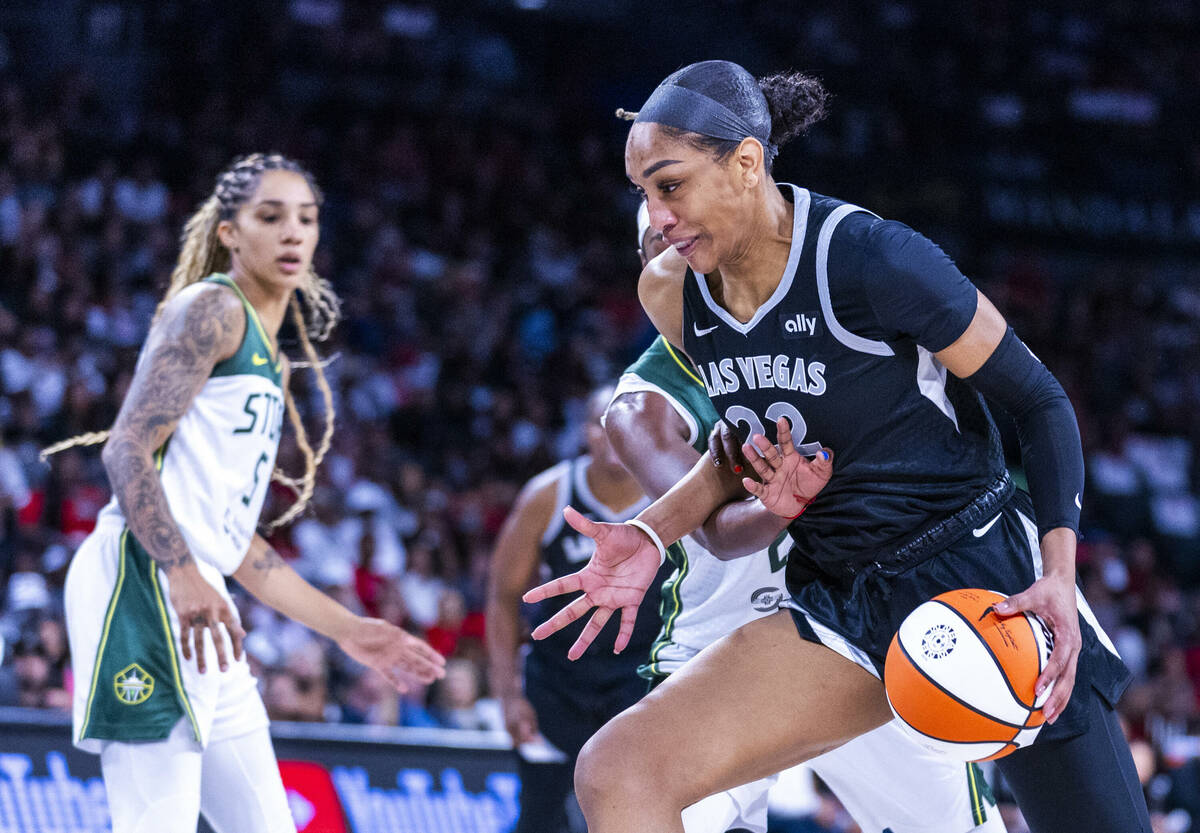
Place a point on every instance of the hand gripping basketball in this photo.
(790, 481)
(1053, 598)
(616, 577)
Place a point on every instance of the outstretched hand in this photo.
(616, 577)
(400, 657)
(789, 481)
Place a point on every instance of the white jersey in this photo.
(707, 598)
(216, 466)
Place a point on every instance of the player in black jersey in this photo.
(813, 318)
(560, 703)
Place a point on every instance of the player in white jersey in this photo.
(657, 423)
(190, 457)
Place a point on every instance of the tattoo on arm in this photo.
(268, 561)
(179, 356)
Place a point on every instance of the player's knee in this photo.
(613, 764)
(597, 771)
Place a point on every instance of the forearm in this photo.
(273, 582)
(688, 504)
(135, 482)
(651, 441)
(1058, 554)
(1050, 444)
(503, 641)
(740, 528)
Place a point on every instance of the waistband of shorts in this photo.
(939, 536)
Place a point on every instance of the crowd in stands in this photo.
(478, 227)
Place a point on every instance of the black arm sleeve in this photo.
(1050, 448)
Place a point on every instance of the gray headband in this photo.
(685, 109)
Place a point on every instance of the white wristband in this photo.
(646, 528)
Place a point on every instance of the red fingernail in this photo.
(737, 469)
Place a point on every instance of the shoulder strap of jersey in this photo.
(255, 355)
(251, 312)
(562, 475)
(824, 239)
(595, 506)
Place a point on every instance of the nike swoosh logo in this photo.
(258, 360)
(979, 533)
(1078, 502)
(705, 331)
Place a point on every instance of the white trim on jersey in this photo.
(801, 200)
(593, 503)
(849, 339)
(833, 640)
(931, 379)
(632, 383)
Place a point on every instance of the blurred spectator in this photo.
(298, 689)
(41, 675)
(456, 632)
(828, 817)
(420, 587)
(456, 701)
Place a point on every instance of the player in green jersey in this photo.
(190, 457)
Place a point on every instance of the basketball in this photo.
(961, 678)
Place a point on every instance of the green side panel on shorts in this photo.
(981, 794)
(664, 366)
(254, 357)
(136, 690)
(669, 610)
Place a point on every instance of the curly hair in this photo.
(797, 102)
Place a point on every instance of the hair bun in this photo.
(797, 102)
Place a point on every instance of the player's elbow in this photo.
(119, 456)
(724, 547)
(619, 421)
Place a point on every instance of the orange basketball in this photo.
(961, 678)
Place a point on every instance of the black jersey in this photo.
(844, 349)
(565, 551)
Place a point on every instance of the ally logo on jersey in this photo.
(799, 325)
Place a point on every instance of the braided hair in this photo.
(315, 311)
